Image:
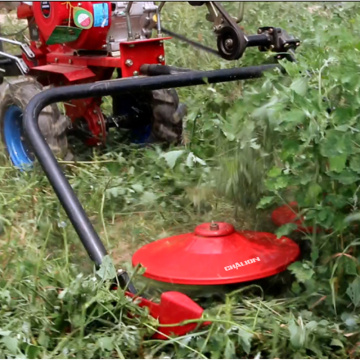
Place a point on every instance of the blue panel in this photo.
(101, 15)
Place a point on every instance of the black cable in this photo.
(191, 42)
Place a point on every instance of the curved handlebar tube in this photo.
(51, 167)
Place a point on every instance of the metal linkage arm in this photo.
(51, 167)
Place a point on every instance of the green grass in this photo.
(52, 304)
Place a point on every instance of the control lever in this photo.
(20, 63)
(24, 47)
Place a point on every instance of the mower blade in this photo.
(174, 308)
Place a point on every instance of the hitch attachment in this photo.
(173, 309)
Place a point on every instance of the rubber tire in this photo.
(161, 110)
(168, 114)
(52, 123)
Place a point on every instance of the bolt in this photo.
(259, 31)
(161, 58)
(136, 73)
(70, 61)
(131, 45)
(272, 47)
(56, 60)
(229, 43)
(95, 111)
(214, 226)
(286, 45)
(271, 30)
(129, 62)
(297, 44)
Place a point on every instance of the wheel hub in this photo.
(15, 142)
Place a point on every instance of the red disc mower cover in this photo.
(216, 254)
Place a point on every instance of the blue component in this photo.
(13, 138)
(141, 135)
(101, 15)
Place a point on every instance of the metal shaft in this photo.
(51, 167)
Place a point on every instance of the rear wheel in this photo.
(52, 123)
(168, 114)
(155, 116)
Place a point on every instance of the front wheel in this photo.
(53, 125)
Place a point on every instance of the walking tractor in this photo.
(86, 50)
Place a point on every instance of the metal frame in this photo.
(90, 239)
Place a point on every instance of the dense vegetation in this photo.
(249, 147)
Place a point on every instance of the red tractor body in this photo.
(60, 60)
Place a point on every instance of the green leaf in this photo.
(336, 143)
(337, 343)
(171, 157)
(290, 119)
(33, 351)
(350, 320)
(192, 159)
(349, 265)
(245, 339)
(300, 86)
(43, 339)
(5, 332)
(355, 163)
(285, 229)
(353, 291)
(353, 217)
(138, 188)
(312, 194)
(274, 172)
(11, 344)
(302, 271)
(346, 177)
(266, 200)
(229, 352)
(297, 335)
(107, 269)
(337, 163)
(106, 343)
(148, 197)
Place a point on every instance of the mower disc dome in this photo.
(216, 254)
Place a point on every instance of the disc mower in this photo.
(78, 49)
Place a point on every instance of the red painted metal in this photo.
(62, 64)
(66, 56)
(287, 214)
(223, 256)
(88, 110)
(24, 11)
(72, 73)
(174, 308)
(137, 53)
(61, 14)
